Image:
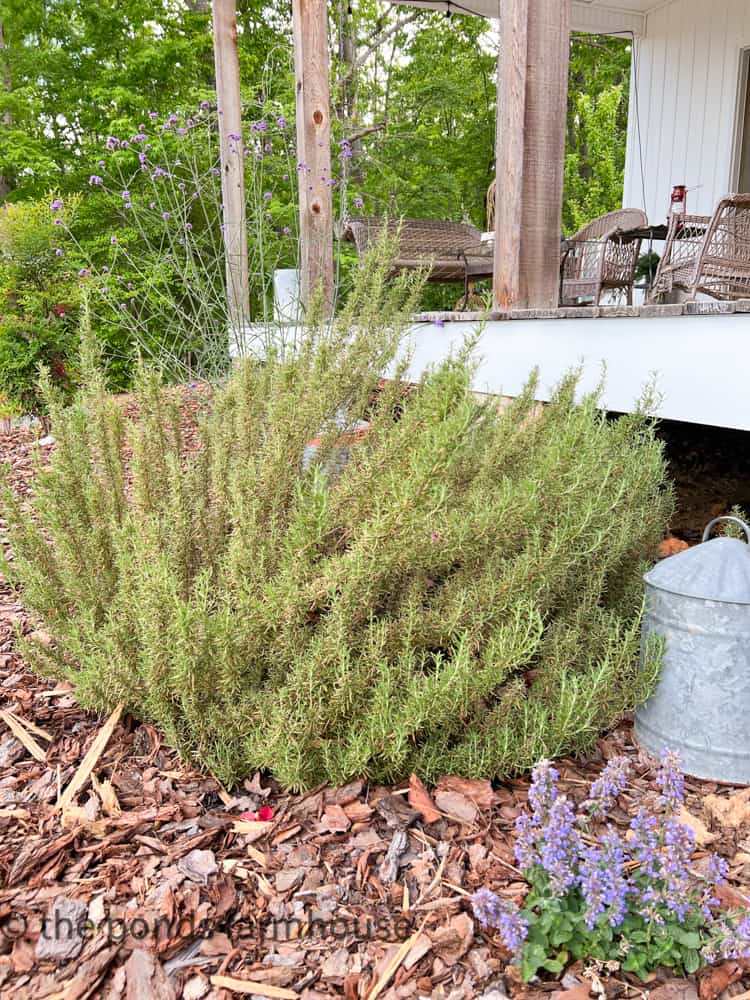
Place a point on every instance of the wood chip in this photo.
(87, 765)
(390, 970)
(251, 986)
(23, 736)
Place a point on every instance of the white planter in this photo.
(286, 295)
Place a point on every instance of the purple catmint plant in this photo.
(593, 885)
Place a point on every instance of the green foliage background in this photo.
(413, 92)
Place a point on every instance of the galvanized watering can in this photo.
(698, 602)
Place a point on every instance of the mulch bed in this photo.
(355, 892)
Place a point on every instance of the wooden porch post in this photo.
(310, 31)
(544, 157)
(531, 132)
(509, 140)
(226, 60)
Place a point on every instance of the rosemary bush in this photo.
(462, 595)
(629, 900)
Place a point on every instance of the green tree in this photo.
(74, 71)
(597, 128)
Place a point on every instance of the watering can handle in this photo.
(726, 517)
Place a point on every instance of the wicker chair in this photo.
(708, 253)
(595, 262)
(438, 246)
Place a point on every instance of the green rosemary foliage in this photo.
(463, 594)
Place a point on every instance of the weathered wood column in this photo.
(226, 60)
(310, 31)
(531, 151)
(509, 150)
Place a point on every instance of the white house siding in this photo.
(684, 97)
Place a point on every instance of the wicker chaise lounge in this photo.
(439, 246)
(708, 253)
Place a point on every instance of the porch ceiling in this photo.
(614, 17)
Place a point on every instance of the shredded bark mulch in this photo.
(126, 875)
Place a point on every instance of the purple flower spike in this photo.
(59, 252)
(286, 230)
(153, 115)
(671, 780)
(113, 240)
(267, 195)
(604, 881)
(56, 205)
(492, 911)
(165, 216)
(358, 203)
(281, 121)
(610, 783)
(95, 179)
